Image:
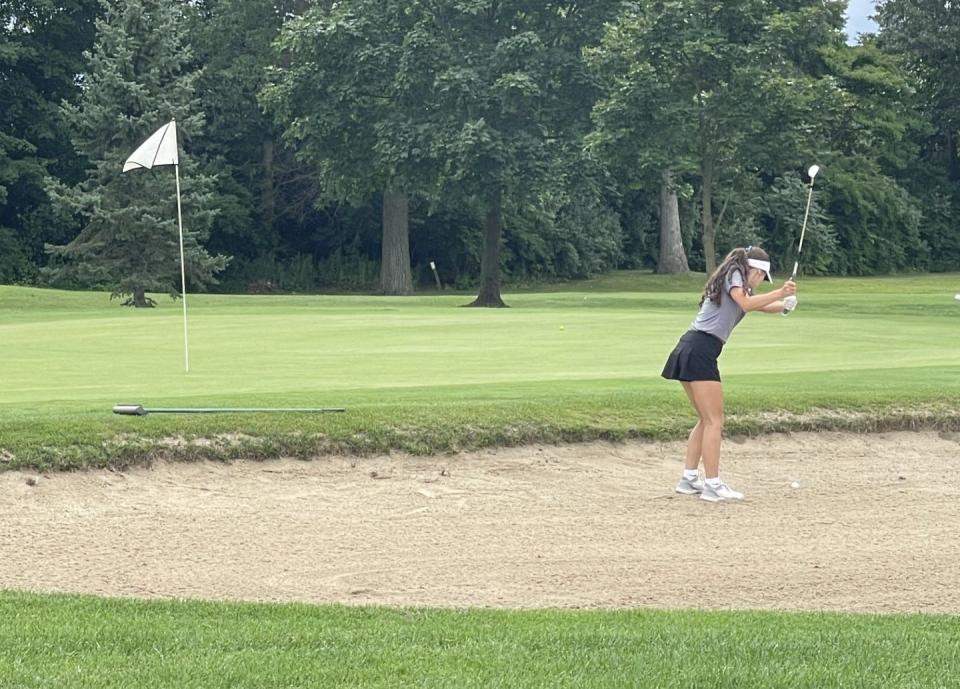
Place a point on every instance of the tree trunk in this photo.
(268, 198)
(395, 274)
(709, 233)
(672, 259)
(490, 261)
(953, 157)
(140, 300)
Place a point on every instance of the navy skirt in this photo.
(694, 358)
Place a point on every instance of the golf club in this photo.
(140, 410)
(812, 172)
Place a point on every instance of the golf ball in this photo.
(795, 484)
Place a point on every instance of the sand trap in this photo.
(873, 526)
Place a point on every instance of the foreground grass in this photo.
(79, 642)
(579, 362)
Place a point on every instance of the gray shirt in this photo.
(720, 320)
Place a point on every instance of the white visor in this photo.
(761, 265)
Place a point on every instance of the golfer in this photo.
(727, 298)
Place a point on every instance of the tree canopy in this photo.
(140, 76)
(352, 144)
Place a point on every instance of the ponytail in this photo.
(736, 260)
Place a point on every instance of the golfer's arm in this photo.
(775, 307)
(754, 302)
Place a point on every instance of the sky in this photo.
(857, 21)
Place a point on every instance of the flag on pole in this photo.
(161, 149)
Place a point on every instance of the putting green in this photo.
(577, 361)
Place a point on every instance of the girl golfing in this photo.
(727, 298)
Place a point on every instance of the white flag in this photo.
(159, 149)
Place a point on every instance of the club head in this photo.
(812, 172)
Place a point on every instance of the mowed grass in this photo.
(423, 375)
(73, 642)
(573, 362)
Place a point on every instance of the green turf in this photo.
(575, 362)
(423, 375)
(72, 642)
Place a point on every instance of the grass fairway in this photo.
(577, 362)
(419, 374)
(77, 643)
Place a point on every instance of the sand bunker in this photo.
(872, 527)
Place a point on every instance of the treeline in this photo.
(350, 144)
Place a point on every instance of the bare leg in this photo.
(708, 398)
(695, 441)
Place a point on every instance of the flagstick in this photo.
(183, 276)
(161, 149)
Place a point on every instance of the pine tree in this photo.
(140, 75)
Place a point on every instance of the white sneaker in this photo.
(719, 493)
(690, 487)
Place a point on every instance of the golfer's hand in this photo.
(789, 289)
(789, 304)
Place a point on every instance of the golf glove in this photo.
(789, 304)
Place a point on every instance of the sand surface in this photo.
(874, 526)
